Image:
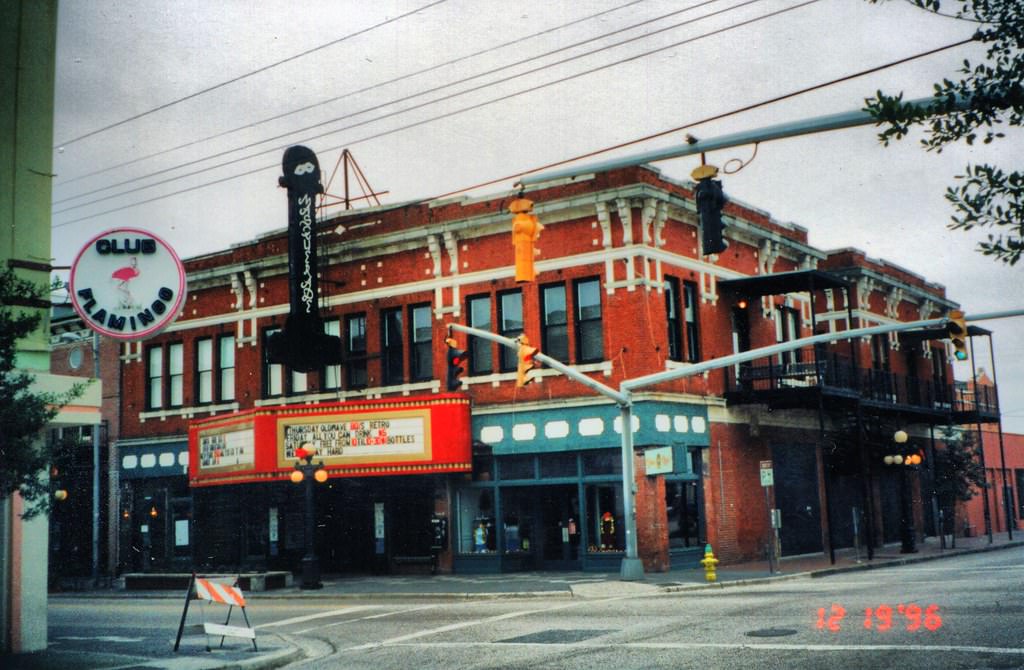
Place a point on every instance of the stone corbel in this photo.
(865, 286)
(626, 219)
(604, 220)
(434, 247)
(892, 302)
(237, 291)
(451, 244)
(768, 254)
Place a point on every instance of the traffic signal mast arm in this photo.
(817, 124)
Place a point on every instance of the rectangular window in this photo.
(555, 325)
(204, 370)
(480, 360)
(421, 342)
(510, 324)
(299, 383)
(790, 321)
(155, 378)
(682, 514)
(355, 351)
(690, 317)
(675, 324)
(391, 355)
(330, 378)
(226, 366)
(589, 334)
(273, 373)
(605, 512)
(1020, 490)
(176, 374)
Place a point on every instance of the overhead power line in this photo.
(299, 110)
(246, 75)
(425, 104)
(406, 98)
(590, 154)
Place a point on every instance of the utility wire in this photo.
(691, 124)
(400, 100)
(518, 40)
(247, 75)
(419, 106)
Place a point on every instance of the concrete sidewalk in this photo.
(276, 651)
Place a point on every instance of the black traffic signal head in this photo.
(710, 199)
(956, 327)
(456, 357)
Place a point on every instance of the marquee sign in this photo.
(127, 283)
(422, 435)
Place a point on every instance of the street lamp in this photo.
(908, 536)
(309, 473)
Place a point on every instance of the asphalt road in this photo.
(964, 612)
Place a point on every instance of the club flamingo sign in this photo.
(127, 283)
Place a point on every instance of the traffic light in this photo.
(455, 358)
(956, 327)
(525, 231)
(710, 199)
(526, 362)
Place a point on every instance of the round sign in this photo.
(127, 284)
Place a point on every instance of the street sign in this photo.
(767, 474)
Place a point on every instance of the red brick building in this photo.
(622, 290)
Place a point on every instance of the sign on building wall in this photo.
(358, 438)
(658, 461)
(353, 439)
(127, 283)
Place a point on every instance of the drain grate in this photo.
(771, 632)
(563, 636)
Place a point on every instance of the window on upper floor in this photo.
(226, 368)
(391, 354)
(675, 323)
(480, 358)
(176, 374)
(421, 343)
(589, 332)
(204, 370)
(880, 352)
(154, 377)
(273, 373)
(789, 330)
(510, 325)
(355, 351)
(330, 376)
(691, 321)
(554, 322)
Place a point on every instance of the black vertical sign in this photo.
(302, 345)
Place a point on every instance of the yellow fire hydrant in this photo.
(709, 562)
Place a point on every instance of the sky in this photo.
(173, 116)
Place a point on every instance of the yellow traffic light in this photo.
(525, 231)
(526, 362)
(956, 327)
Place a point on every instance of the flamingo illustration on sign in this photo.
(124, 276)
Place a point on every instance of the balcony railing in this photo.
(798, 370)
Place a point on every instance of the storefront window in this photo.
(517, 467)
(476, 522)
(602, 462)
(605, 515)
(682, 513)
(558, 465)
(517, 519)
(483, 467)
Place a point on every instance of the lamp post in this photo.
(309, 473)
(908, 539)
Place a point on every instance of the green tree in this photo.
(993, 90)
(958, 472)
(24, 413)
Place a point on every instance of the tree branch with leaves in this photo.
(987, 97)
(25, 455)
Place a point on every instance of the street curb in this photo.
(825, 572)
(278, 659)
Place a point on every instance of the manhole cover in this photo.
(772, 632)
(557, 636)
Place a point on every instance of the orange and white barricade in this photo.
(207, 590)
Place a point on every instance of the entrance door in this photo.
(558, 511)
(796, 494)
